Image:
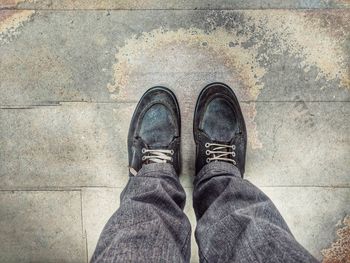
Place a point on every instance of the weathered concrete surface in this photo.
(84, 144)
(313, 223)
(99, 56)
(72, 145)
(41, 226)
(302, 144)
(69, 81)
(179, 4)
(312, 213)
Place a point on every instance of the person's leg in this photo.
(150, 225)
(236, 222)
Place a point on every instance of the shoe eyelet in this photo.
(234, 147)
(207, 152)
(208, 160)
(143, 150)
(172, 152)
(233, 155)
(143, 158)
(207, 145)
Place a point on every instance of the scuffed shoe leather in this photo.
(219, 128)
(154, 133)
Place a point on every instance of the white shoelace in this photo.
(155, 156)
(220, 152)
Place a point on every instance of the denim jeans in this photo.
(236, 222)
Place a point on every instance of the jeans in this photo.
(236, 222)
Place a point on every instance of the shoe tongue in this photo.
(160, 145)
(219, 120)
(157, 146)
(158, 126)
(215, 140)
(156, 142)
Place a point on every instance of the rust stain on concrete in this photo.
(347, 2)
(10, 21)
(13, 3)
(316, 37)
(336, 25)
(164, 48)
(187, 59)
(339, 251)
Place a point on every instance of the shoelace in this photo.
(220, 152)
(155, 156)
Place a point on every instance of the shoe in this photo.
(154, 133)
(219, 129)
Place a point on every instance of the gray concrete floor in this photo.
(71, 73)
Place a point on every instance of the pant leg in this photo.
(149, 225)
(236, 222)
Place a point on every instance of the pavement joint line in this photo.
(62, 103)
(178, 9)
(82, 188)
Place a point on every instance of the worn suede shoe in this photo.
(154, 133)
(219, 129)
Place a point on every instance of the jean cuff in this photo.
(216, 169)
(157, 170)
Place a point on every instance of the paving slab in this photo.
(62, 146)
(313, 223)
(41, 226)
(301, 144)
(179, 4)
(84, 144)
(98, 206)
(107, 56)
(313, 213)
